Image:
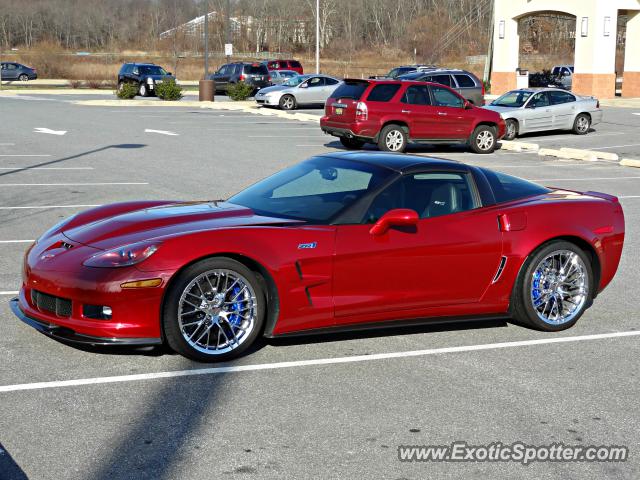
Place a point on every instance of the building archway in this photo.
(595, 43)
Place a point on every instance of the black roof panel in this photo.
(395, 161)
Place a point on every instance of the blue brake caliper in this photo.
(237, 306)
(536, 286)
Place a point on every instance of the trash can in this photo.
(522, 78)
(207, 90)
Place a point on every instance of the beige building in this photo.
(595, 47)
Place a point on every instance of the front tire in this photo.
(582, 124)
(287, 102)
(483, 139)
(511, 130)
(143, 90)
(554, 288)
(23, 78)
(351, 143)
(214, 310)
(393, 138)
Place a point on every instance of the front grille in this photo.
(42, 301)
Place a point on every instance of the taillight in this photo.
(268, 78)
(362, 112)
(242, 77)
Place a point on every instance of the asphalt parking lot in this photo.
(345, 403)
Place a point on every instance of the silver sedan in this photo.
(535, 110)
(299, 90)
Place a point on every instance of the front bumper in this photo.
(68, 335)
(267, 100)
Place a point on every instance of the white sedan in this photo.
(535, 110)
(299, 90)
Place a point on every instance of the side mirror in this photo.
(304, 85)
(531, 105)
(399, 217)
(468, 105)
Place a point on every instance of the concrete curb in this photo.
(519, 146)
(590, 154)
(75, 91)
(629, 162)
(247, 107)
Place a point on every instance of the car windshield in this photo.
(314, 191)
(152, 70)
(294, 81)
(515, 99)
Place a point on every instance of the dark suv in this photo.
(254, 74)
(144, 75)
(393, 113)
(463, 82)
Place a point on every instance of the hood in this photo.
(500, 109)
(274, 88)
(159, 77)
(166, 220)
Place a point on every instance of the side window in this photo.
(383, 93)
(432, 194)
(441, 79)
(417, 95)
(555, 71)
(315, 82)
(506, 188)
(443, 97)
(394, 73)
(12, 66)
(135, 71)
(331, 81)
(539, 100)
(465, 81)
(558, 98)
(272, 65)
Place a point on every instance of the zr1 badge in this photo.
(302, 246)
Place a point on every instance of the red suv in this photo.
(392, 113)
(294, 65)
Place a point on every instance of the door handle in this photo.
(406, 111)
(443, 114)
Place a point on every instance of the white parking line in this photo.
(573, 137)
(630, 196)
(582, 179)
(9, 292)
(615, 146)
(6, 144)
(281, 136)
(68, 184)
(17, 241)
(47, 206)
(45, 168)
(308, 363)
(24, 155)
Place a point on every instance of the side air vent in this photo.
(503, 262)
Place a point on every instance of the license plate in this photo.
(338, 111)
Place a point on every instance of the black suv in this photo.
(254, 74)
(144, 75)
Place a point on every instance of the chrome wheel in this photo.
(217, 311)
(485, 140)
(511, 130)
(288, 102)
(559, 287)
(394, 140)
(143, 90)
(582, 124)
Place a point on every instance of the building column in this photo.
(631, 75)
(506, 43)
(595, 54)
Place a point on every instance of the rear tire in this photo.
(511, 130)
(288, 102)
(23, 77)
(351, 143)
(483, 139)
(393, 138)
(582, 124)
(203, 299)
(143, 91)
(539, 281)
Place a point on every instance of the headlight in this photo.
(123, 256)
(57, 226)
(149, 81)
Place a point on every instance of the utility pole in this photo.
(228, 26)
(317, 36)
(206, 39)
(489, 61)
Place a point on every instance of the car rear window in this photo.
(383, 93)
(558, 98)
(507, 188)
(256, 69)
(441, 79)
(295, 64)
(465, 81)
(353, 90)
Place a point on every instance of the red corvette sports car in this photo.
(345, 240)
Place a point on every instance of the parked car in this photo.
(536, 110)
(545, 79)
(348, 240)
(17, 71)
(300, 90)
(403, 70)
(145, 76)
(392, 113)
(294, 65)
(254, 74)
(564, 75)
(281, 76)
(463, 82)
